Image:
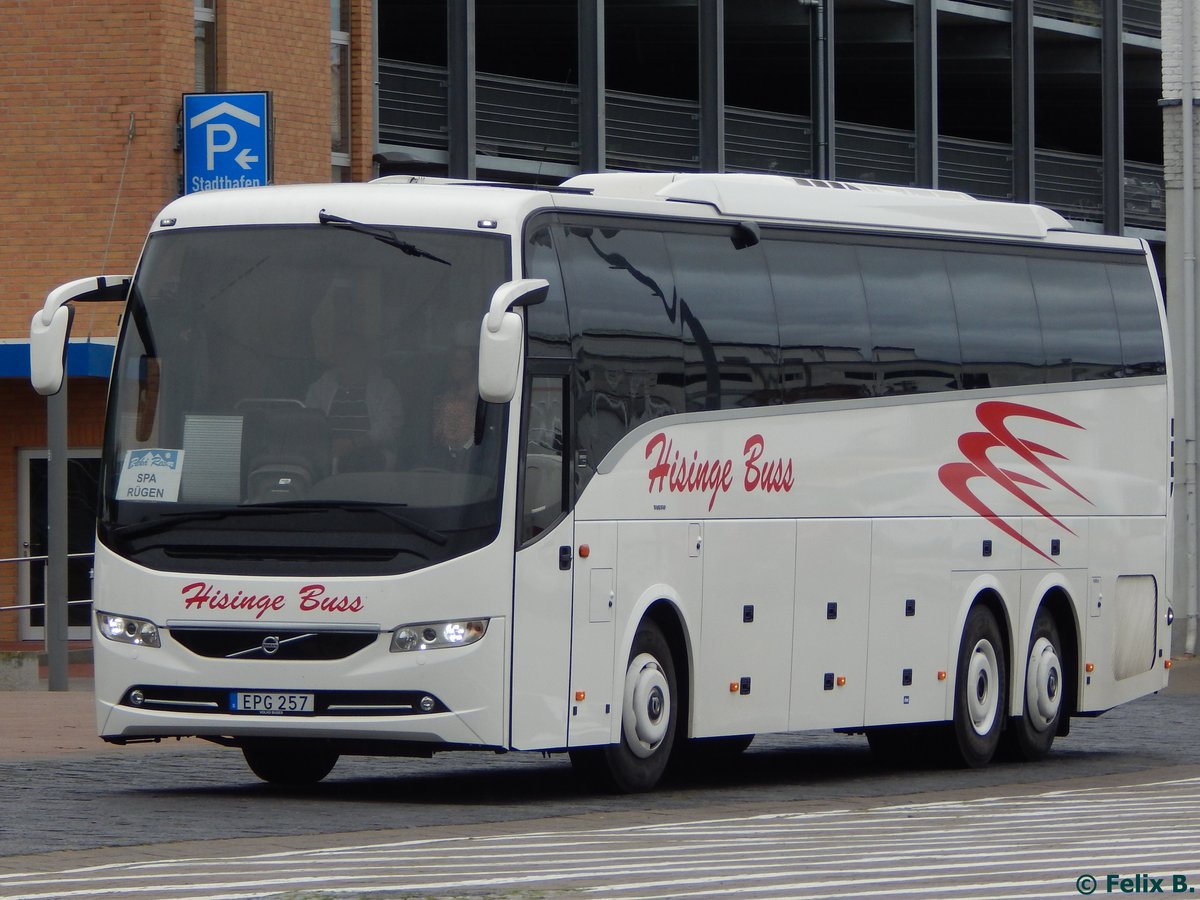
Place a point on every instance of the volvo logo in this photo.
(270, 645)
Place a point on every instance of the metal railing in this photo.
(875, 153)
(760, 141)
(652, 133)
(33, 559)
(525, 119)
(413, 104)
(979, 168)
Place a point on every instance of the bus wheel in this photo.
(289, 763)
(1032, 735)
(978, 690)
(648, 714)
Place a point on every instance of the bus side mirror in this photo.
(501, 338)
(48, 350)
(51, 326)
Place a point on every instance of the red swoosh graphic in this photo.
(974, 446)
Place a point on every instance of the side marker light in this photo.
(1089, 668)
(580, 696)
(941, 676)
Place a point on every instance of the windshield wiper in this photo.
(388, 510)
(385, 235)
(168, 520)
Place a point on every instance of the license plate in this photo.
(271, 703)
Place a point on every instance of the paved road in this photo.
(1052, 844)
(56, 811)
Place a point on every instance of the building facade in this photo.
(1050, 101)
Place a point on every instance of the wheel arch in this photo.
(1057, 602)
(985, 590)
(667, 615)
(987, 593)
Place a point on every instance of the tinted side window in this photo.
(731, 339)
(912, 319)
(998, 327)
(1079, 320)
(546, 492)
(626, 331)
(546, 323)
(1142, 349)
(823, 332)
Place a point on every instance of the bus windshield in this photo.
(304, 399)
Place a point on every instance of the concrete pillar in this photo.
(1179, 154)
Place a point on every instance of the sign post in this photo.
(226, 141)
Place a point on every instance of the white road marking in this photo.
(1027, 846)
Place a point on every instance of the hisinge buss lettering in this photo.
(679, 473)
(310, 598)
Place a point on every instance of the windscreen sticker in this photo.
(151, 475)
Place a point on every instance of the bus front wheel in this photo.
(979, 690)
(1032, 734)
(648, 719)
(289, 763)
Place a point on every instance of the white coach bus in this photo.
(621, 466)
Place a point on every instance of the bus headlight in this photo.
(435, 635)
(127, 630)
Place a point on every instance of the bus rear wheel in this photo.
(979, 691)
(648, 720)
(289, 763)
(1031, 735)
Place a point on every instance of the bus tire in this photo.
(649, 714)
(1031, 735)
(979, 691)
(289, 763)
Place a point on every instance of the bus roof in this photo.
(770, 199)
(842, 203)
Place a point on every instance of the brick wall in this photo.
(282, 46)
(362, 101)
(72, 75)
(1172, 75)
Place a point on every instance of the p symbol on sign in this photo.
(211, 144)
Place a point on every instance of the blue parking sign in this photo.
(226, 141)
